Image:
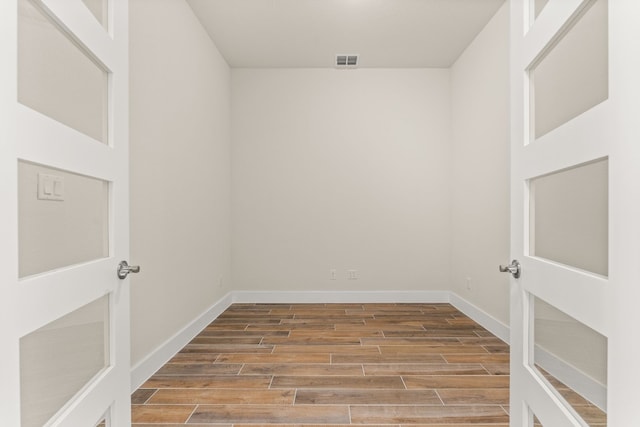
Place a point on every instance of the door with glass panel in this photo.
(64, 229)
(574, 212)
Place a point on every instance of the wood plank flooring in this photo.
(332, 364)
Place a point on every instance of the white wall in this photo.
(480, 169)
(180, 171)
(341, 169)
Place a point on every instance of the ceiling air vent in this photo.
(346, 61)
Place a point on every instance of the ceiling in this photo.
(309, 33)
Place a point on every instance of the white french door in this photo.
(64, 313)
(575, 207)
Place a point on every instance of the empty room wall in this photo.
(480, 169)
(341, 169)
(180, 172)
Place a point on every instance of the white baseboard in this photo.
(487, 321)
(340, 297)
(144, 369)
(589, 388)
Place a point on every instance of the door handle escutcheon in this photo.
(513, 268)
(124, 269)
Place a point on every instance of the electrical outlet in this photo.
(469, 283)
(352, 274)
(333, 274)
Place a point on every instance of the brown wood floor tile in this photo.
(194, 358)
(275, 358)
(430, 333)
(141, 395)
(387, 358)
(161, 413)
(266, 414)
(456, 381)
(223, 381)
(425, 369)
(497, 368)
(199, 369)
(223, 348)
(365, 397)
(312, 365)
(226, 340)
(425, 414)
(301, 369)
(223, 396)
(349, 349)
(478, 396)
(411, 341)
(484, 357)
(426, 349)
(357, 333)
(312, 340)
(337, 382)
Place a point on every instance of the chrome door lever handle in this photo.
(124, 269)
(514, 268)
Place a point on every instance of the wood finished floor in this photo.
(332, 364)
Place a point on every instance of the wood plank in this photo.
(289, 369)
(425, 369)
(426, 349)
(387, 358)
(265, 414)
(199, 369)
(223, 396)
(456, 381)
(366, 397)
(275, 358)
(337, 382)
(161, 413)
(349, 349)
(253, 381)
(427, 414)
(477, 396)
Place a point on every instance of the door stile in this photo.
(624, 341)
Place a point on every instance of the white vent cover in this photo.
(346, 61)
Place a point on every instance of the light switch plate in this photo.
(50, 187)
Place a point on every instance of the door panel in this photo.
(569, 220)
(61, 358)
(572, 76)
(560, 158)
(64, 318)
(57, 77)
(63, 218)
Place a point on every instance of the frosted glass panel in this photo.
(566, 349)
(67, 226)
(59, 359)
(99, 9)
(57, 78)
(574, 75)
(569, 217)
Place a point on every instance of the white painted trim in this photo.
(589, 388)
(144, 369)
(341, 297)
(480, 316)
